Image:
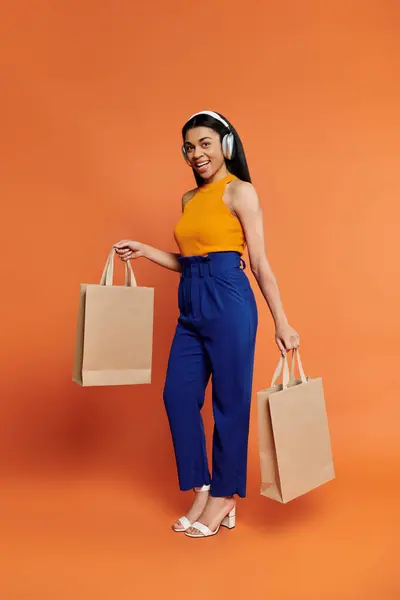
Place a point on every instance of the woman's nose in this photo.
(197, 152)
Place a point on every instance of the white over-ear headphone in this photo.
(228, 141)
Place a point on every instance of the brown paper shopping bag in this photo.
(294, 442)
(114, 338)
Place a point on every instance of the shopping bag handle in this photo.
(283, 365)
(108, 273)
(296, 356)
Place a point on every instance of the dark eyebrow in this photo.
(201, 139)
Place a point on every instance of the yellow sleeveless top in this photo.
(207, 224)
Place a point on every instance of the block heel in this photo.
(230, 520)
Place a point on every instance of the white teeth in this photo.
(202, 164)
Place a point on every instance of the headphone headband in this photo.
(212, 114)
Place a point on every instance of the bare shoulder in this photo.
(188, 196)
(243, 194)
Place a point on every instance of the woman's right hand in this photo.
(128, 249)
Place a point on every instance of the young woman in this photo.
(216, 331)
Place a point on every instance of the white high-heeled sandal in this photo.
(229, 521)
(184, 521)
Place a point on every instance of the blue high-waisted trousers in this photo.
(215, 336)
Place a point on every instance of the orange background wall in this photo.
(94, 95)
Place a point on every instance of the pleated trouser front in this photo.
(215, 336)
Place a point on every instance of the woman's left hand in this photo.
(287, 338)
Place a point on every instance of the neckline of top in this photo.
(208, 186)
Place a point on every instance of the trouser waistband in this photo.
(212, 264)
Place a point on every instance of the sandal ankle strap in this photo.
(204, 488)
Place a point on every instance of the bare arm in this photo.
(168, 260)
(247, 207)
(129, 249)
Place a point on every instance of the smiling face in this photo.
(204, 151)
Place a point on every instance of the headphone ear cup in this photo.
(228, 145)
(184, 154)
